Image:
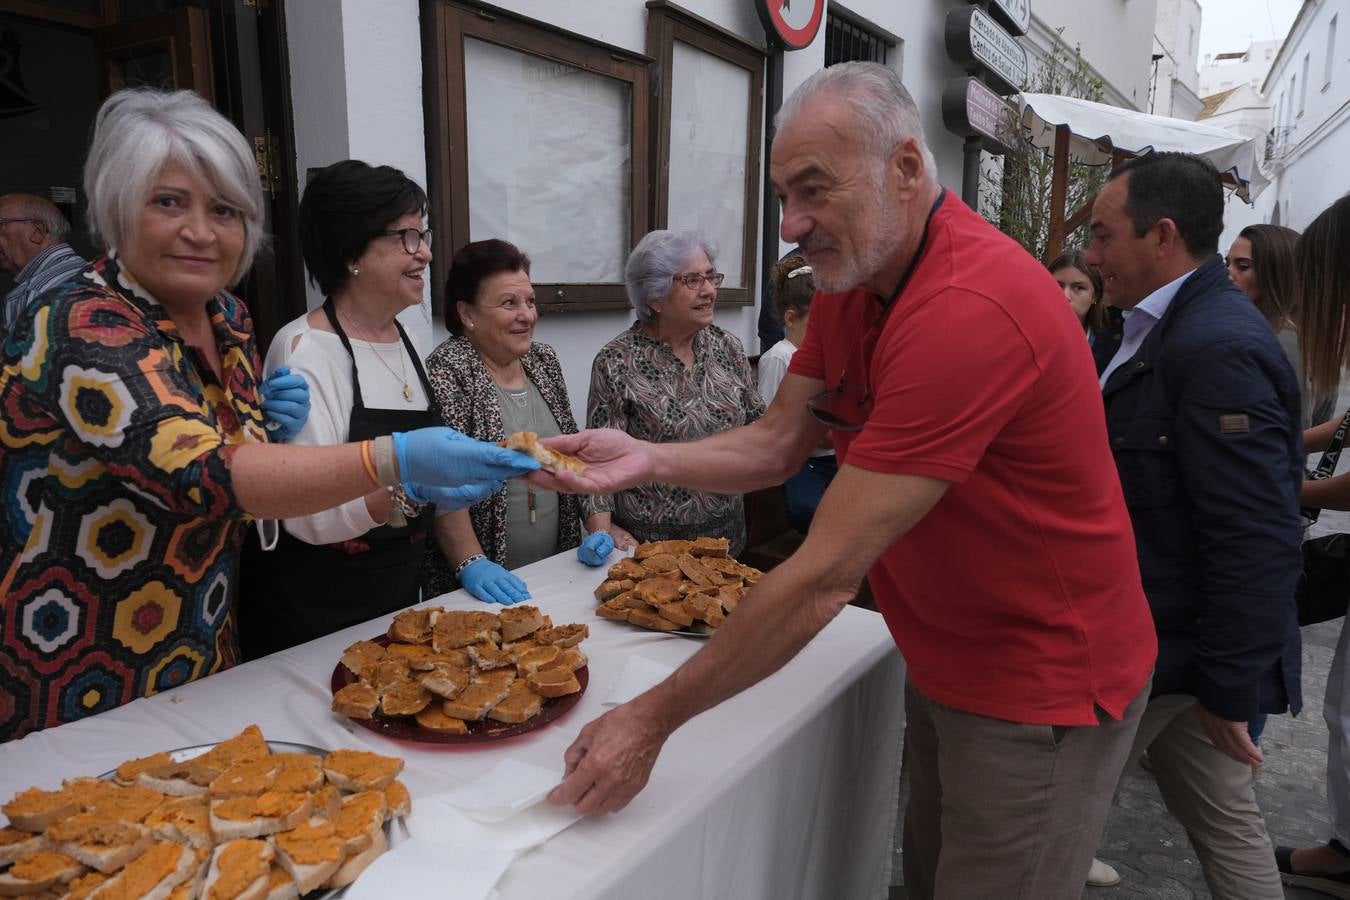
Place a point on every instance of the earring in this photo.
(356, 270)
(470, 324)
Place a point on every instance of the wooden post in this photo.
(1059, 187)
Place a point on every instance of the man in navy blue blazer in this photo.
(1203, 416)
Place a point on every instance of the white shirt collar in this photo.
(1155, 304)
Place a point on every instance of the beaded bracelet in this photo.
(468, 561)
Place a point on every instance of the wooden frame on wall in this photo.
(36, 9)
(445, 25)
(666, 24)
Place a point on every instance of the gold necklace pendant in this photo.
(407, 392)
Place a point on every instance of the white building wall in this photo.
(1115, 38)
(356, 78)
(1176, 40)
(1218, 75)
(1313, 125)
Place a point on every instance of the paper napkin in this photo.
(639, 674)
(421, 868)
(503, 790)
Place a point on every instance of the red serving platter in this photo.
(405, 728)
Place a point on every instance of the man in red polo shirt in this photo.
(976, 490)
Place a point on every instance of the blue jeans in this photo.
(1255, 727)
(804, 490)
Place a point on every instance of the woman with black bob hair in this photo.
(366, 246)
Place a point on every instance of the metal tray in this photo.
(183, 754)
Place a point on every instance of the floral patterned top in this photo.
(467, 396)
(640, 386)
(120, 583)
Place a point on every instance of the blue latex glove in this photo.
(444, 457)
(595, 550)
(285, 401)
(491, 583)
(451, 499)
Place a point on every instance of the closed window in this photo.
(1331, 54)
(707, 122)
(1303, 91)
(539, 138)
(850, 38)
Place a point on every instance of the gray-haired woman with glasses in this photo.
(673, 376)
(367, 248)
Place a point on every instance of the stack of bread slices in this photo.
(449, 668)
(676, 585)
(237, 823)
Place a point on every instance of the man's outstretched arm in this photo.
(861, 514)
(743, 459)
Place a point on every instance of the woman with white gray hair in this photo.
(135, 432)
(672, 376)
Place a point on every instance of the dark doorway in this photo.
(60, 58)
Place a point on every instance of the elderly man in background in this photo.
(33, 251)
(974, 491)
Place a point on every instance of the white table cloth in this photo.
(787, 790)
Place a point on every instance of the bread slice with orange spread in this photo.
(518, 621)
(38, 871)
(398, 802)
(15, 843)
(280, 884)
(267, 813)
(153, 875)
(126, 773)
(355, 864)
(240, 870)
(557, 682)
(99, 841)
(38, 810)
(186, 820)
(520, 705)
(311, 853)
(362, 815)
(360, 770)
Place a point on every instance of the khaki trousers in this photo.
(1004, 810)
(1213, 796)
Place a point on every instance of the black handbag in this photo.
(1324, 587)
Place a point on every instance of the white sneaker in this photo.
(1102, 875)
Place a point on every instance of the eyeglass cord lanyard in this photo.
(1327, 464)
(890, 304)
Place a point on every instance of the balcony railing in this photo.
(1277, 141)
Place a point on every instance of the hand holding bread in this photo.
(613, 461)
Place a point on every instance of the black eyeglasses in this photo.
(694, 280)
(412, 238)
(4, 222)
(847, 407)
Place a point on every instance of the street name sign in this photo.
(978, 43)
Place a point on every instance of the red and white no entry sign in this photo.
(791, 23)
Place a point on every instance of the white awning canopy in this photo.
(1097, 129)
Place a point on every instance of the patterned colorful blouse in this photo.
(129, 529)
(467, 396)
(640, 386)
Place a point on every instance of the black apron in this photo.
(299, 591)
